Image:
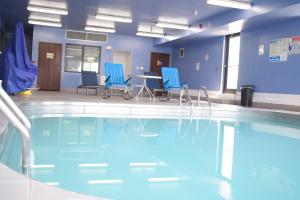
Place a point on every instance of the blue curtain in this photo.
(16, 70)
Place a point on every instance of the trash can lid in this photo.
(252, 87)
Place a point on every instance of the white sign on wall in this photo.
(279, 50)
(261, 50)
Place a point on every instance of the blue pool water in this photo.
(134, 159)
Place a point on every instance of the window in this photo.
(232, 61)
(82, 58)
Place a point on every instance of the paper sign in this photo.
(279, 50)
(50, 55)
(261, 50)
(294, 46)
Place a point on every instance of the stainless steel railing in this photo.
(17, 118)
(203, 88)
(185, 90)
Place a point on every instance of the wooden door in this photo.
(49, 66)
(159, 60)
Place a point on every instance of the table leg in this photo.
(141, 91)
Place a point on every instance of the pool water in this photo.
(141, 159)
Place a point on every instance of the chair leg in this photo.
(86, 91)
(106, 95)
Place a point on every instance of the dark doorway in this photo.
(159, 60)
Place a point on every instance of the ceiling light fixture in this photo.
(44, 23)
(149, 34)
(114, 18)
(173, 26)
(100, 29)
(171, 37)
(45, 18)
(231, 4)
(47, 10)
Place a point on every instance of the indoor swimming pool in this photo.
(240, 155)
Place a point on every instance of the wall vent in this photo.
(79, 35)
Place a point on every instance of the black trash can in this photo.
(247, 95)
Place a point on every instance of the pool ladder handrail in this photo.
(18, 119)
(185, 90)
(203, 88)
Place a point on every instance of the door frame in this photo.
(226, 59)
(61, 58)
(130, 59)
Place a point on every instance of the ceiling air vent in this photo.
(78, 35)
(97, 37)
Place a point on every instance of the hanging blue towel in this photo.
(16, 70)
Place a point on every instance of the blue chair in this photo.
(171, 81)
(115, 80)
(89, 81)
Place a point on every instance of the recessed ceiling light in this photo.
(45, 18)
(114, 18)
(149, 34)
(171, 37)
(47, 10)
(173, 26)
(99, 23)
(49, 3)
(100, 29)
(44, 23)
(231, 4)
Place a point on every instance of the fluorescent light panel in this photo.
(100, 23)
(114, 18)
(100, 182)
(45, 18)
(48, 3)
(149, 34)
(100, 29)
(172, 26)
(48, 10)
(231, 4)
(44, 23)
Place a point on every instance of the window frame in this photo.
(82, 57)
(225, 74)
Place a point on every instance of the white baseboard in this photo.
(272, 98)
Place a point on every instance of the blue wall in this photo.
(209, 54)
(282, 77)
(140, 48)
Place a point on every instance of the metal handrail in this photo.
(206, 94)
(21, 123)
(185, 89)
